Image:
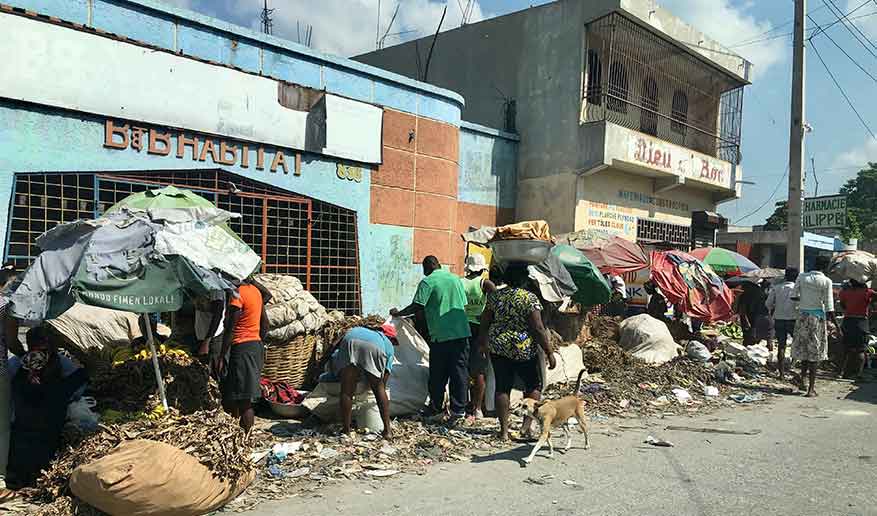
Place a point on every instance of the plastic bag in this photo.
(81, 415)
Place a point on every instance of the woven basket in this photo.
(292, 361)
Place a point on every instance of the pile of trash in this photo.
(295, 458)
(124, 381)
(602, 327)
(619, 383)
(292, 310)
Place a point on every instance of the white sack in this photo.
(407, 387)
(648, 339)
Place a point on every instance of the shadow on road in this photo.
(864, 391)
(512, 455)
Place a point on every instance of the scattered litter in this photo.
(623, 404)
(661, 401)
(382, 472)
(276, 471)
(593, 388)
(540, 481)
(682, 396)
(388, 450)
(710, 391)
(713, 430)
(747, 398)
(658, 442)
(281, 450)
(328, 453)
(300, 472)
(815, 416)
(571, 483)
(367, 492)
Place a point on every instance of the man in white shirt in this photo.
(813, 290)
(784, 311)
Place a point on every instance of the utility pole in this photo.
(795, 250)
(267, 22)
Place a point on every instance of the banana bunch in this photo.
(125, 354)
(155, 414)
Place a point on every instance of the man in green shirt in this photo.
(442, 299)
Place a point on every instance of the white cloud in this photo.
(851, 160)
(731, 25)
(349, 27)
(861, 16)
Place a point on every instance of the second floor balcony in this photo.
(637, 79)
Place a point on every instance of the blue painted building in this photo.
(345, 175)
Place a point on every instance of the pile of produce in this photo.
(212, 436)
(732, 331)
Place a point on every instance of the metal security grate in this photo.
(310, 239)
(639, 80)
(652, 231)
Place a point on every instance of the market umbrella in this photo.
(724, 261)
(142, 258)
(592, 288)
(609, 253)
(767, 273)
(691, 285)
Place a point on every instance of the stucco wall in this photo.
(41, 139)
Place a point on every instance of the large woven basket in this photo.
(292, 361)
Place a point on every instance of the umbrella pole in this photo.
(150, 339)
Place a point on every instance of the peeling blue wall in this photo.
(192, 34)
(488, 166)
(38, 139)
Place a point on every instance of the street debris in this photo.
(713, 430)
(654, 441)
(747, 398)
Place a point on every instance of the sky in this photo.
(837, 147)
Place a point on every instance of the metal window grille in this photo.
(313, 240)
(639, 80)
(652, 231)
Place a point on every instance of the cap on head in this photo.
(389, 330)
(475, 263)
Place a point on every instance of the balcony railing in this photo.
(636, 79)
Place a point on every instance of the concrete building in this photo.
(345, 175)
(768, 248)
(629, 119)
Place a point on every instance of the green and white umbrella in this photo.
(147, 254)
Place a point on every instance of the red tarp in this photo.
(692, 286)
(611, 254)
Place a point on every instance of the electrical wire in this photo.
(840, 88)
(814, 31)
(842, 19)
(769, 199)
(780, 26)
(827, 35)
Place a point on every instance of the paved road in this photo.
(813, 457)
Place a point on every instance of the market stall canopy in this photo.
(609, 253)
(127, 260)
(691, 285)
(767, 273)
(724, 261)
(592, 288)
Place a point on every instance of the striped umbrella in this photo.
(723, 261)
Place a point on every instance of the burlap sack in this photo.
(150, 478)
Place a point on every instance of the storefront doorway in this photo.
(307, 238)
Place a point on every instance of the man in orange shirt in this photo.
(246, 325)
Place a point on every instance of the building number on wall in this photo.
(349, 173)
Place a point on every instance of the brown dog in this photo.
(556, 413)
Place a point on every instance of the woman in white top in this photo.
(813, 290)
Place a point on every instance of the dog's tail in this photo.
(579, 382)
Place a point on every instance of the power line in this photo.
(842, 19)
(765, 203)
(840, 88)
(846, 16)
(813, 31)
(827, 35)
(780, 26)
